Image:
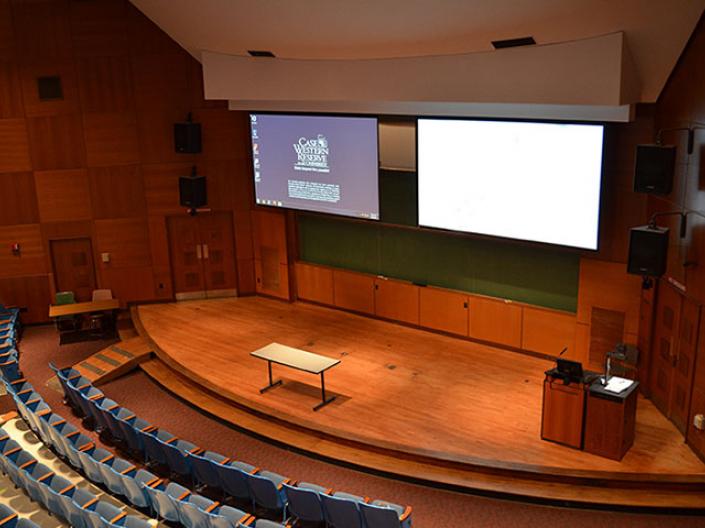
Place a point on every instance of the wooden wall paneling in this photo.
(31, 260)
(127, 242)
(582, 345)
(159, 251)
(98, 28)
(73, 266)
(11, 104)
(314, 283)
(221, 183)
(31, 292)
(547, 331)
(397, 300)
(18, 201)
(129, 284)
(117, 192)
(443, 310)
(7, 32)
(606, 331)
(270, 232)
(244, 239)
(246, 277)
(354, 291)
(105, 84)
(271, 277)
(644, 338)
(162, 81)
(156, 135)
(63, 195)
(56, 142)
(495, 320)
(14, 146)
(42, 29)
(111, 139)
(161, 185)
(221, 131)
(684, 367)
(67, 104)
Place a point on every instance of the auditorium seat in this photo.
(304, 501)
(386, 515)
(163, 506)
(226, 517)
(10, 519)
(266, 490)
(204, 467)
(233, 478)
(194, 510)
(132, 489)
(93, 512)
(152, 439)
(176, 450)
(342, 510)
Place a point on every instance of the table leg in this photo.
(272, 383)
(324, 401)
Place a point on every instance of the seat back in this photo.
(177, 460)
(304, 504)
(341, 512)
(234, 481)
(160, 502)
(381, 516)
(226, 517)
(102, 295)
(203, 467)
(192, 511)
(154, 452)
(132, 489)
(265, 492)
(65, 297)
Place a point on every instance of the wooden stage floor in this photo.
(398, 388)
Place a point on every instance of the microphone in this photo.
(563, 351)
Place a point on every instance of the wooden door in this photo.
(186, 256)
(684, 363)
(72, 263)
(664, 346)
(218, 252)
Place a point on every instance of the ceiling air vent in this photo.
(513, 43)
(260, 53)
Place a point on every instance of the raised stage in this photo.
(409, 402)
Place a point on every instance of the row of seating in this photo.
(79, 507)
(10, 330)
(140, 487)
(10, 519)
(236, 479)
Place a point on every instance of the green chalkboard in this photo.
(538, 275)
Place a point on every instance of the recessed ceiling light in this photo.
(513, 43)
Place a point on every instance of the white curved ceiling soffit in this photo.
(656, 31)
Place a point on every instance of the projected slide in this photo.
(528, 181)
(316, 163)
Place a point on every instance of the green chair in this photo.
(67, 323)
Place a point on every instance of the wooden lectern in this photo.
(563, 410)
(610, 421)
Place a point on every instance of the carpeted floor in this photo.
(433, 508)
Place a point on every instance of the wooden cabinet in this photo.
(314, 283)
(271, 254)
(495, 320)
(547, 331)
(397, 300)
(443, 310)
(354, 291)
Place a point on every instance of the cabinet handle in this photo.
(198, 252)
(205, 251)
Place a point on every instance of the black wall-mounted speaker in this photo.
(187, 138)
(655, 165)
(648, 251)
(192, 191)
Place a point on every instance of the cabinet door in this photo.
(218, 252)
(663, 348)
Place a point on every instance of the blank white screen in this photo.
(528, 181)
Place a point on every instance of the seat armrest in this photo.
(404, 516)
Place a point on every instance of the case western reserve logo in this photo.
(312, 154)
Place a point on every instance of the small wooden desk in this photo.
(60, 310)
(297, 359)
